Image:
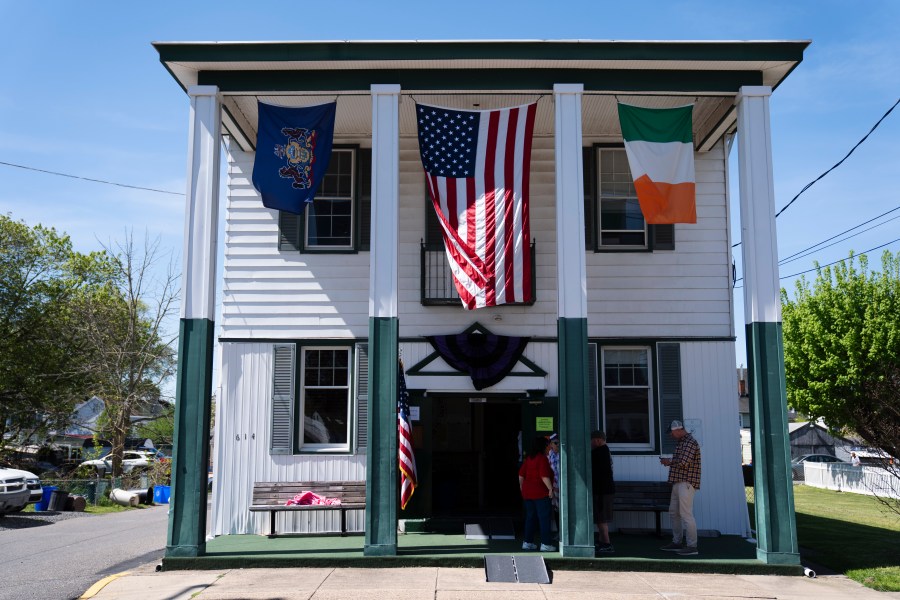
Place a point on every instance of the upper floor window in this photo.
(613, 218)
(621, 224)
(337, 220)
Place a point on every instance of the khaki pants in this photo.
(681, 514)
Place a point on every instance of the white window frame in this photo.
(601, 197)
(302, 446)
(351, 198)
(651, 421)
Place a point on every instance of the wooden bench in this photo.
(644, 496)
(271, 497)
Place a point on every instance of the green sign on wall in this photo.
(543, 424)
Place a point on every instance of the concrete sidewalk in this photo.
(429, 583)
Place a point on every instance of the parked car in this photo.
(32, 482)
(131, 460)
(14, 492)
(797, 463)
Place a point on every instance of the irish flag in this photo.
(660, 149)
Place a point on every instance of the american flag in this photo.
(478, 165)
(408, 481)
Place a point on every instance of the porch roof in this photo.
(483, 74)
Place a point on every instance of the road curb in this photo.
(95, 589)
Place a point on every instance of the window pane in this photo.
(621, 214)
(627, 415)
(325, 417)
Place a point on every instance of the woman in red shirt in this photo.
(536, 485)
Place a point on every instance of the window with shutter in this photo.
(281, 441)
(613, 218)
(339, 217)
(323, 422)
(362, 397)
(670, 400)
(627, 397)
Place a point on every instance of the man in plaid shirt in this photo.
(684, 475)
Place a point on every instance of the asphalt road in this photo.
(60, 560)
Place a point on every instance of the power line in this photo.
(827, 265)
(812, 249)
(124, 185)
(836, 165)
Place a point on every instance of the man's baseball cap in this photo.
(553, 437)
(676, 424)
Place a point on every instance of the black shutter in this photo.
(289, 231)
(670, 405)
(434, 235)
(364, 193)
(281, 441)
(589, 175)
(593, 388)
(662, 237)
(362, 397)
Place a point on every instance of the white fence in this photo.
(872, 481)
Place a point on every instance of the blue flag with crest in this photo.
(293, 149)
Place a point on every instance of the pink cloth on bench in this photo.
(307, 498)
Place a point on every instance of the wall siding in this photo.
(272, 294)
(269, 294)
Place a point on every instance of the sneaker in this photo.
(673, 547)
(688, 551)
(529, 546)
(547, 548)
(605, 548)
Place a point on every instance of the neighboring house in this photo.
(812, 437)
(314, 307)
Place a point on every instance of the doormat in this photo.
(490, 529)
(516, 569)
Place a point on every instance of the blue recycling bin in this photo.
(161, 494)
(44, 502)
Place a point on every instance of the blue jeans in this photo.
(537, 512)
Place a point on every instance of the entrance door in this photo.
(474, 468)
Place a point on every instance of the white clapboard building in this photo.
(631, 326)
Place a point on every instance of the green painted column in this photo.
(190, 454)
(776, 529)
(576, 508)
(381, 459)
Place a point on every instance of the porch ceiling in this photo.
(482, 74)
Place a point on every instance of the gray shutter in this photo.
(362, 397)
(289, 231)
(364, 193)
(670, 406)
(589, 172)
(662, 237)
(281, 440)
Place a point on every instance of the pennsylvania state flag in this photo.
(293, 149)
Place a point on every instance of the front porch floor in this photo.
(633, 552)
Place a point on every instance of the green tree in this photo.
(43, 281)
(842, 349)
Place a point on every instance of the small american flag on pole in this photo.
(407, 458)
(478, 166)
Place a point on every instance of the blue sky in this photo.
(83, 93)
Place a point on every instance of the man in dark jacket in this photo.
(604, 489)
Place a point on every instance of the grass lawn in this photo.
(851, 534)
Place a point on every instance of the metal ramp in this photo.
(516, 569)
